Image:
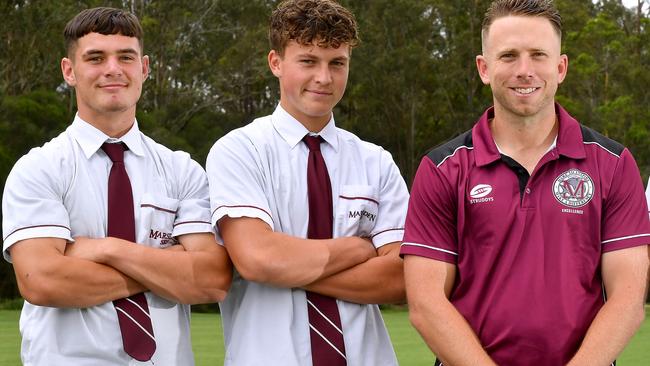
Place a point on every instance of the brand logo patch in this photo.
(362, 214)
(166, 239)
(480, 190)
(573, 188)
(479, 194)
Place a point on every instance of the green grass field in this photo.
(208, 341)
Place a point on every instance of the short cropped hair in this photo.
(101, 20)
(531, 8)
(325, 22)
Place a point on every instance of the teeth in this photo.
(525, 90)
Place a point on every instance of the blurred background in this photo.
(413, 82)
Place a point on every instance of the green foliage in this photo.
(413, 81)
(26, 120)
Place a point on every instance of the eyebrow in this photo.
(310, 56)
(120, 51)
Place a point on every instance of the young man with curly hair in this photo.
(311, 215)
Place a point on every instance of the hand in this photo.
(87, 248)
(366, 245)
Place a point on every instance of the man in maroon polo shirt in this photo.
(526, 237)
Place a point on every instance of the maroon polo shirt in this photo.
(527, 248)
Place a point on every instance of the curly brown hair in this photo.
(323, 22)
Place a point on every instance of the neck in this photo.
(115, 124)
(516, 132)
(525, 140)
(314, 126)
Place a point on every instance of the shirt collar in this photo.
(292, 131)
(568, 142)
(91, 139)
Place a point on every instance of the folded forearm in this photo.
(180, 276)
(379, 280)
(285, 261)
(77, 283)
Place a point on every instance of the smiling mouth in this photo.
(319, 92)
(525, 90)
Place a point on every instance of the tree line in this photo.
(413, 82)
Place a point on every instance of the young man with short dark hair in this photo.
(109, 232)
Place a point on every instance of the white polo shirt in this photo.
(260, 171)
(60, 190)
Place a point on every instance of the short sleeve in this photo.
(647, 196)
(193, 214)
(625, 220)
(32, 202)
(236, 180)
(393, 202)
(430, 229)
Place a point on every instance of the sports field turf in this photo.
(208, 342)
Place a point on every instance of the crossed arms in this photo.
(347, 268)
(89, 272)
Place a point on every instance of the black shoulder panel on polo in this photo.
(591, 136)
(439, 153)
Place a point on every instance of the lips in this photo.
(525, 91)
(113, 85)
(319, 92)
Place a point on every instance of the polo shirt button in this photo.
(527, 190)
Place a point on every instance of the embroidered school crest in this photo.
(573, 188)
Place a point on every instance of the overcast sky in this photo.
(632, 3)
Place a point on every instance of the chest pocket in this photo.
(356, 211)
(157, 215)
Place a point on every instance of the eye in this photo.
(307, 61)
(94, 59)
(338, 63)
(127, 58)
(507, 56)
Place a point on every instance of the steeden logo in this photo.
(479, 194)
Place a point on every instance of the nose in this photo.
(525, 68)
(323, 75)
(113, 67)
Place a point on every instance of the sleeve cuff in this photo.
(428, 251)
(40, 231)
(191, 227)
(387, 236)
(624, 242)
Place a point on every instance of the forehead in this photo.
(522, 32)
(293, 48)
(106, 43)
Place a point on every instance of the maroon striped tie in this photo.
(132, 312)
(325, 331)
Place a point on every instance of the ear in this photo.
(68, 72)
(145, 67)
(482, 67)
(562, 68)
(275, 59)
